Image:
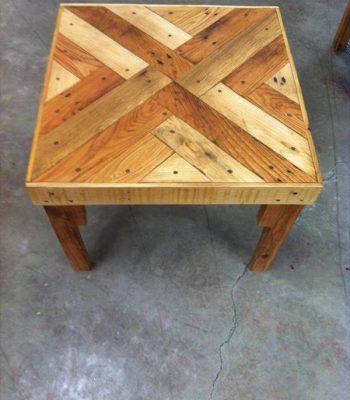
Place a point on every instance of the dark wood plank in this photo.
(229, 137)
(220, 32)
(77, 97)
(87, 160)
(74, 59)
(277, 221)
(139, 43)
(259, 68)
(64, 220)
(280, 107)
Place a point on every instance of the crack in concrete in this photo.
(231, 331)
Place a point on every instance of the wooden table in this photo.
(172, 105)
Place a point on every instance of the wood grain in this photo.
(153, 24)
(82, 164)
(202, 153)
(262, 126)
(60, 108)
(95, 118)
(108, 51)
(74, 59)
(175, 169)
(60, 80)
(230, 56)
(259, 68)
(229, 137)
(280, 107)
(225, 29)
(157, 55)
(191, 19)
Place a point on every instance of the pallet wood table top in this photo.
(171, 105)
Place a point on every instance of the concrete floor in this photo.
(171, 312)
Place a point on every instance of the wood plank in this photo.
(191, 19)
(153, 24)
(69, 236)
(172, 193)
(283, 82)
(135, 163)
(202, 153)
(106, 50)
(175, 169)
(220, 32)
(144, 46)
(74, 59)
(77, 97)
(230, 56)
(91, 157)
(255, 71)
(281, 221)
(95, 118)
(229, 137)
(268, 130)
(280, 107)
(60, 80)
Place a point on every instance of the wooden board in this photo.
(171, 105)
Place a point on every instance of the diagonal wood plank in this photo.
(95, 118)
(109, 52)
(87, 160)
(220, 32)
(232, 139)
(60, 79)
(230, 56)
(153, 24)
(256, 70)
(77, 97)
(280, 107)
(144, 46)
(175, 169)
(217, 165)
(191, 19)
(262, 126)
(74, 59)
(135, 163)
(283, 81)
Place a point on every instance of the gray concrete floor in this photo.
(171, 312)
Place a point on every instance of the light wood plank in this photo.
(135, 163)
(262, 126)
(152, 24)
(100, 46)
(74, 59)
(230, 56)
(257, 69)
(60, 80)
(280, 107)
(202, 153)
(87, 160)
(95, 118)
(283, 82)
(229, 136)
(175, 169)
(191, 20)
(77, 97)
(138, 42)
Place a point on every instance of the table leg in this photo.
(65, 221)
(277, 221)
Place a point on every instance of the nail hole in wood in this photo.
(56, 142)
(293, 148)
(278, 200)
(170, 12)
(104, 78)
(275, 79)
(229, 171)
(214, 42)
(289, 114)
(126, 69)
(242, 82)
(266, 29)
(295, 193)
(271, 166)
(284, 79)
(67, 95)
(246, 14)
(198, 81)
(172, 131)
(264, 255)
(77, 169)
(58, 78)
(169, 35)
(77, 102)
(71, 24)
(219, 90)
(165, 113)
(175, 172)
(57, 111)
(127, 170)
(278, 180)
(289, 171)
(134, 12)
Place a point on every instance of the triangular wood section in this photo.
(174, 94)
(175, 169)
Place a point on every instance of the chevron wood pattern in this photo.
(171, 104)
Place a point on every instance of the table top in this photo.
(171, 105)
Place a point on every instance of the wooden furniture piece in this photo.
(342, 37)
(172, 105)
